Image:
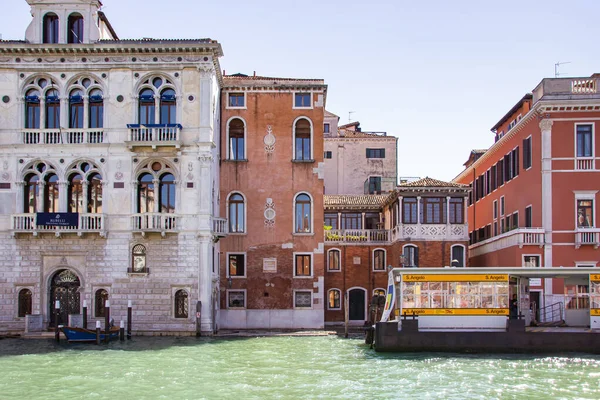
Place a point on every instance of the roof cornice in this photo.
(539, 110)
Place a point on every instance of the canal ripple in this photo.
(281, 367)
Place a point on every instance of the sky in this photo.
(437, 74)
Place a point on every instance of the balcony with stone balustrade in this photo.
(402, 232)
(87, 223)
(154, 135)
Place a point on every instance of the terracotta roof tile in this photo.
(235, 77)
(430, 182)
(374, 200)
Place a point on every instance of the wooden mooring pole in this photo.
(122, 331)
(107, 320)
(56, 321)
(129, 313)
(97, 332)
(346, 316)
(85, 322)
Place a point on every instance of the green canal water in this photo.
(280, 367)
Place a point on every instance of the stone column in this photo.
(156, 196)
(546, 129)
(20, 201)
(42, 115)
(448, 213)
(41, 201)
(418, 216)
(62, 196)
(205, 284)
(85, 200)
(86, 117)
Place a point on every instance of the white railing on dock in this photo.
(154, 222)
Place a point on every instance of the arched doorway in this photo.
(356, 307)
(64, 287)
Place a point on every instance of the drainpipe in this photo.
(473, 202)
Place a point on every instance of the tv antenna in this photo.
(557, 65)
(350, 115)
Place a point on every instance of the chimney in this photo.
(224, 73)
(254, 73)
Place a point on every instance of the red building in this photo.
(419, 224)
(271, 189)
(534, 197)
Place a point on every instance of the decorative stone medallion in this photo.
(269, 140)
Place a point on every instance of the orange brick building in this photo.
(271, 189)
(534, 198)
(419, 224)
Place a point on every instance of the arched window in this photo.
(138, 259)
(100, 303)
(96, 109)
(334, 299)
(76, 109)
(181, 304)
(333, 260)
(147, 108)
(94, 194)
(31, 194)
(52, 109)
(237, 214)
(167, 193)
(75, 193)
(379, 260)
(236, 139)
(75, 29)
(84, 191)
(32, 109)
(302, 136)
(168, 107)
(146, 193)
(51, 194)
(410, 256)
(24, 303)
(457, 256)
(303, 214)
(50, 28)
(156, 188)
(157, 102)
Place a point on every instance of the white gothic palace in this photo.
(109, 185)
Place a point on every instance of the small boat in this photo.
(75, 334)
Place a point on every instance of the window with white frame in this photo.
(502, 206)
(303, 265)
(237, 213)
(302, 100)
(333, 260)
(585, 213)
(24, 303)
(515, 220)
(334, 299)
(584, 140)
(457, 253)
(378, 260)
(236, 265)
(236, 298)
(236, 139)
(410, 256)
(236, 100)
(527, 153)
(325, 128)
(302, 140)
(181, 304)
(528, 223)
(532, 260)
(302, 213)
(302, 298)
